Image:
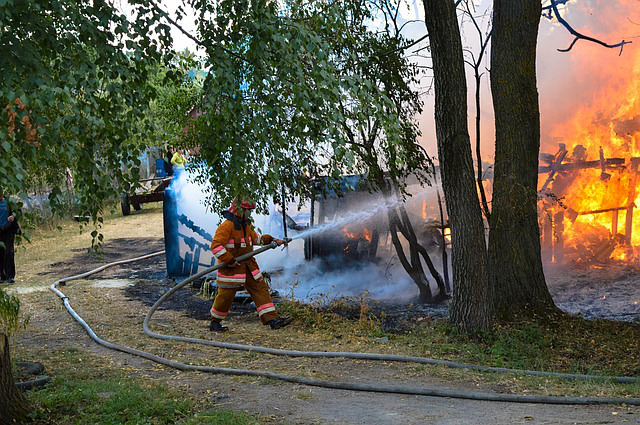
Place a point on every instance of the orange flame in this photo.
(606, 129)
(365, 234)
(348, 234)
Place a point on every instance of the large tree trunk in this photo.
(514, 243)
(471, 307)
(13, 406)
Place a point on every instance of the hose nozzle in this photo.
(285, 241)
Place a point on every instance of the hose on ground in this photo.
(32, 368)
(30, 385)
(377, 387)
(350, 355)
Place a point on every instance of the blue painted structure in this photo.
(187, 246)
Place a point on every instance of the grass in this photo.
(560, 344)
(69, 237)
(89, 395)
(564, 344)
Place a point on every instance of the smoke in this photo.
(320, 279)
(324, 280)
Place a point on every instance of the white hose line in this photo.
(517, 398)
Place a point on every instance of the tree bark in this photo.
(515, 262)
(471, 307)
(13, 406)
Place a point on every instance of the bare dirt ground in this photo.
(114, 304)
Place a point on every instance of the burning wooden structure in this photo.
(357, 240)
(587, 206)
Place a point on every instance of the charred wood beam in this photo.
(558, 231)
(603, 166)
(631, 199)
(580, 165)
(562, 154)
(604, 210)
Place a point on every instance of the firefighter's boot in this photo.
(279, 322)
(217, 327)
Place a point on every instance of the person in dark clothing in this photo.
(168, 167)
(8, 226)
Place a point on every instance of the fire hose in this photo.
(377, 387)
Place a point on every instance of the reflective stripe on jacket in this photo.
(230, 242)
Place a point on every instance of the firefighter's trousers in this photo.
(259, 292)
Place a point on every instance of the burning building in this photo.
(589, 187)
(355, 240)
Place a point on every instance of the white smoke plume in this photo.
(318, 279)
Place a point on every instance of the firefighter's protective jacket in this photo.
(235, 237)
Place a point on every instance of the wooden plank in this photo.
(580, 165)
(558, 234)
(147, 197)
(604, 210)
(547, 237)
(628, 229)
(554, 167)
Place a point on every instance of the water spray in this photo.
(354, 216)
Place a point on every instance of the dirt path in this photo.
(115, 302)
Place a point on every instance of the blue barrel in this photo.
(171, 239)
(160, 171)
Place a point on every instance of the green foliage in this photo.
(176, 96)
(74, 92)
(292, 87)
(10, 322)
(289, 91)
(122, 401)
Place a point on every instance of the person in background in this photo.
(8, 229)
(235, 237)
(178, 160)
(168, 167)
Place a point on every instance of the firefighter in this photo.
(235, 237)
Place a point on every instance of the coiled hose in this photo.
(378, 387)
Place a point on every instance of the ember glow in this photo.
(363, 233)
(588, 183)
(348, 233)
(447, 234)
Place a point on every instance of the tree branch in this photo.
(484, 42)
(576, 34)
(188, 34)
(406, 46)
